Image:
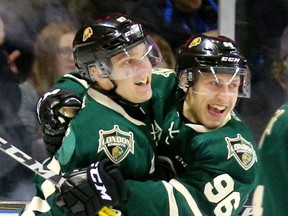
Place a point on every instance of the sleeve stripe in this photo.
(37, 204)
(48, 188)
(54, 165)
(173, 208)
(190, 200)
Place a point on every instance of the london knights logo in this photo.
(116, 143)
(242, 150)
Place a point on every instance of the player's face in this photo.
(65, 61)
(135, 86)
(210, 100)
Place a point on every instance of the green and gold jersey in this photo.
(216, 171)
(102, 128)
(218, 166)
(269, 197)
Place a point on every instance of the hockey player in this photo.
(269, 196)
(115, 58)
(219, 160)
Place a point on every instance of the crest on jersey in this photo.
(116, 143)
(242, 151)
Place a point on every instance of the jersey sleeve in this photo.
(164, 84)
(159, 198)
(43, 202)
(273, 176)
(73, 81)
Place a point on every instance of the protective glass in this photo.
(236, 81)
(133, 60)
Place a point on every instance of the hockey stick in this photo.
(41, 169)
(31, 163)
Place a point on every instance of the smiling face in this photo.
(132, 72)
(211, 99)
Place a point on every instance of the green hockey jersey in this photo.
(102, 128)
(270, 196)
(216, 171)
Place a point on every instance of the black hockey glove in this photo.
(164, 169)
(84, 196)
(55, 109)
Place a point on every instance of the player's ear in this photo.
(99, 80)
(95, 73)
(183, 83)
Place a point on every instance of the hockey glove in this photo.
(55, 109)
(87, 197)
(108, 182)
(164, 169)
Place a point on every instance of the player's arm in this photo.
(55, 109)
(164, 84)
(58, 106)
(159, 198)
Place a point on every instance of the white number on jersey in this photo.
(221, 191)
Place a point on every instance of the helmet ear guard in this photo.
(187, 78)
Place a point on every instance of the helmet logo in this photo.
(121, 19)
(88, 32)
(195, 42)
(230, 59)
(134, 30)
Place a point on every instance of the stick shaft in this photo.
(30, 163)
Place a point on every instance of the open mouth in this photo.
(143, 82)
(216, 109)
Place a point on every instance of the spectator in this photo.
(25, 19)
(13, 176)
(53, 58)
(166, 51)
(176, 20)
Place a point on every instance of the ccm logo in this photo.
(98, 183)
(230, 59)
